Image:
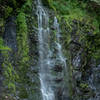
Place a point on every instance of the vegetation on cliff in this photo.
(80, 27)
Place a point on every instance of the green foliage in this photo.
(22, 35)
(96, 23)
(27, 6)
(73, 9)
(96, 53)
(8, 11)
(23, 93)
(61, 8)
(1, 22)
(22, 31)
(1, 41)
(14, 3)
(9, 73)
(17, 74)
(9, 7)
(84, 85)
(1, 26)
(23, 50)
(2, 47)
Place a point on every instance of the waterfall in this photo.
(59, 46)
(44, 53)
(47, 83)
(61, 60)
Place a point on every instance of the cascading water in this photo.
(59, 47)
(45, 54)
(61, 60)
(44, 60)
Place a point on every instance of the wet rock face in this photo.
(95, 3)
(95, 80)
(10, 33)
(1, 60)
(86, 76)
(58, 68)
(45, 2)
(1, 76)
(81, 60)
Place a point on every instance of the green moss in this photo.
(23, 93)
(1, 22)
(84, 85)
(15, 72)
(96, 23)
(70, 10)
(14, 3)
(9, 73)
(22, 31)
(2, 47)
(23, 51)
(2, 28)
(8, 11)
(79, 25)
(22, 37)
(27, 6)
(69, 74)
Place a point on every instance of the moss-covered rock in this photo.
(1, 26)
(80, 31)
(8, 11)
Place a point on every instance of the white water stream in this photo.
(45, 63)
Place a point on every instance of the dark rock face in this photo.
(95, 3)
(83, 63)
(45, 2)
(10, 33)
(58, 68)
(94, 81)
(1, 75)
